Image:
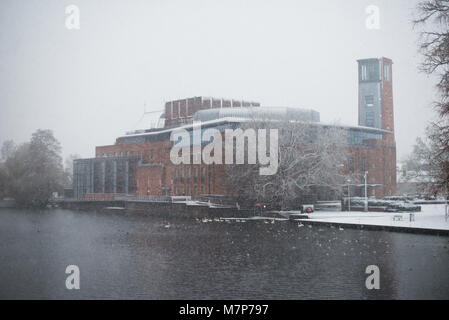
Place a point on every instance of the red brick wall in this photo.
(157, 170)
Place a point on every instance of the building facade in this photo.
(139, 162)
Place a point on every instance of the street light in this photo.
(366, 194)
(349, 195)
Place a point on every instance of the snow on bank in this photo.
(431, 217)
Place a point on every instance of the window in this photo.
(175, 176)
(182, 174)
(203, 174)
(362, 164)
(202, 189)
(374, 165)
(364, 73)
(195, 175)
(373, 193)
(188, 175)
(369, 71)
(188, 190)
(369, 121)
(351, 164)
(387, 75)
(195, 190)
(369, 101)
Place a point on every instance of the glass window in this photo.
(387, 75)
(362, 164)
(369, 119)
(369, 71)
(369, 101)
(363, 72)
(351, 164)
(182, 174)
(175, 176)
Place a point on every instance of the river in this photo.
(136, 256)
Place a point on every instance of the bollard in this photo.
(412, 217)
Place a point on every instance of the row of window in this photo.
(362, 164)
(185, 174)
(116, 154)
(193, 192)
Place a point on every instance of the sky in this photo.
(92, 84)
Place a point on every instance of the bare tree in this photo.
(438, 160)
(8, 148)
(68, 170)
(311, 158)
(435, 46)
(416, 167)
(435, 49)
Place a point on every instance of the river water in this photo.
(135, 256)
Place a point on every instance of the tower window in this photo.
(364, 73)
(369, 71)
(369, 119)
(369, 101)
(387, 75)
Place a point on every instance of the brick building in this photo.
(139, 162)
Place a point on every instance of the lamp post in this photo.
(366, 193)
(349, 195)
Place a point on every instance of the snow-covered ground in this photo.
(430, 217)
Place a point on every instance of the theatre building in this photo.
(139, 164)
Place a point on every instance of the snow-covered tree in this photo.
(434, 14)
(311, 157)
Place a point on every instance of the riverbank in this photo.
(193, 209)
(431, 220)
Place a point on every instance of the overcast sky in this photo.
(90, 85)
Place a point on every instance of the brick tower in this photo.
(376, 110)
